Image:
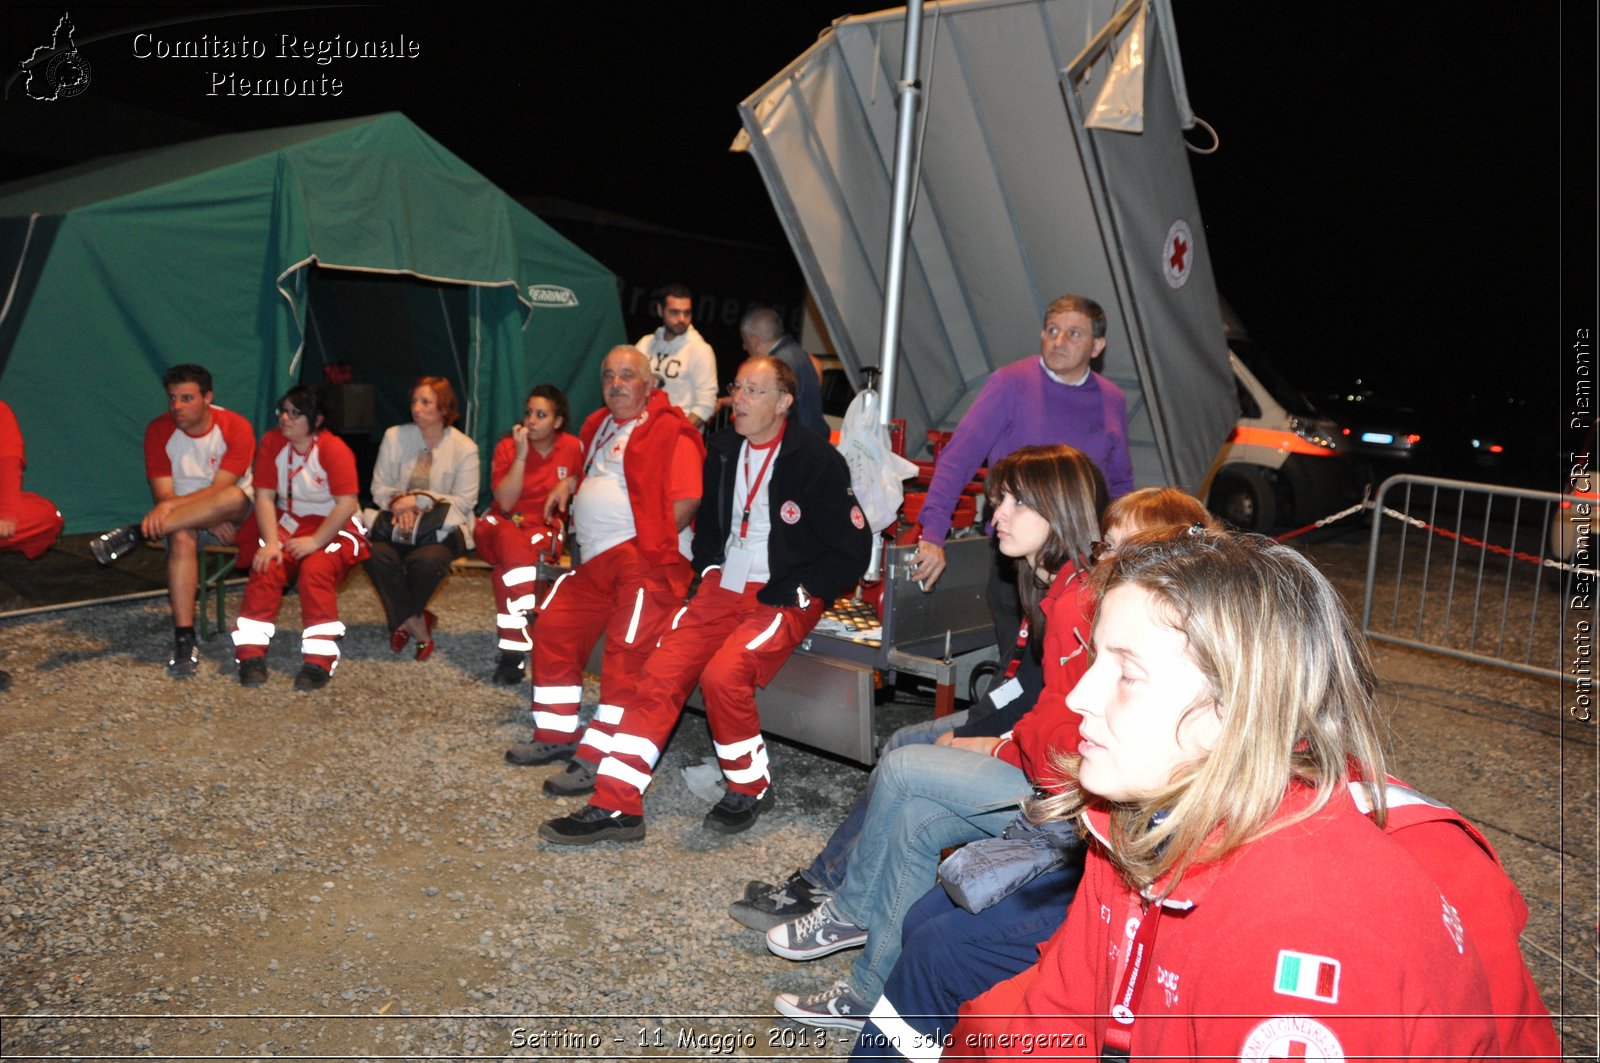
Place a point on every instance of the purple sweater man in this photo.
(1054, 398)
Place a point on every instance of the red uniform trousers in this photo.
(317, 577)
(618, 593)
(731, 643)
(514, 550)
(38, 526)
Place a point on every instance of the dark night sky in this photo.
(1387, 201)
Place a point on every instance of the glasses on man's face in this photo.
(288, 411)
(749, 389)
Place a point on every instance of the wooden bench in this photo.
(216, 565)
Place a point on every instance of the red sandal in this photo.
(425, 649)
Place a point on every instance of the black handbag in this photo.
(426, 530)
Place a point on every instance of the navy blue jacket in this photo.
(819, 538)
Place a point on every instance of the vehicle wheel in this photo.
(1245, 500)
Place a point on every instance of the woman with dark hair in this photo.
(1256, 887)
(425, 485)
(307, 534)
(926, 798)
(518, 530)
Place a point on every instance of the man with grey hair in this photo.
(763, 334)
(638, 488)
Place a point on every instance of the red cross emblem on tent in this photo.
(1177, 254)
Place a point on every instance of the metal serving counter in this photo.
(824, 696)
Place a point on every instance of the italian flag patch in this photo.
(1309, 977)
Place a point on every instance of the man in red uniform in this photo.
(638, 488)
(28, 523)
(779, 537)
(197, 457)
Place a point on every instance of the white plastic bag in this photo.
(875, 469)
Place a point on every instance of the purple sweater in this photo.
(1021, 406)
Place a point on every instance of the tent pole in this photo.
(909, 91)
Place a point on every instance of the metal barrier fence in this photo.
(1498, 575)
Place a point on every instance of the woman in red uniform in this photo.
(1248, 892)
(516, 532)
(307, 533)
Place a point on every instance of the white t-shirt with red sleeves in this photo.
(193, 461)
(306, 485)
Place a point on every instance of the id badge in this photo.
(288, 525)
(1006, 693)
(736, 569)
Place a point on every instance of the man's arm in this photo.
(685, 478)
(702, 365)
(163, 491)
(968, 447)
(683, 511)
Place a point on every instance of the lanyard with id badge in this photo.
(741, 559)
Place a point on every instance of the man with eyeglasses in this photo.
(762, 333)
(1052, 398)
(638, 489)
(778, 538)
(197, 457)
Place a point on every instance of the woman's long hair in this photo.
(1065, 488)
(1291, 680)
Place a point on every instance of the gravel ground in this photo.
(199, 870)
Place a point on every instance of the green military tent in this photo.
(361, 241)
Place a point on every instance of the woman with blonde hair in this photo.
(999, 899)
(1256, 887)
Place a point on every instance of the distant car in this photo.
(1387, 434)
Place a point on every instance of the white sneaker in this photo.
(837, 1008)
(820, 932)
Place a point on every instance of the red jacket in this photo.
(1050, 726)
(645, 465)
(1329, 937)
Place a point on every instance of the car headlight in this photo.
(1323, 433)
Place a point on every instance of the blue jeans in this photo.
(950, 956)
(827, 870)
(927, 799)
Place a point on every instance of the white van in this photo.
(1283, 463)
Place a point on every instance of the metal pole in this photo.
(909, 91)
